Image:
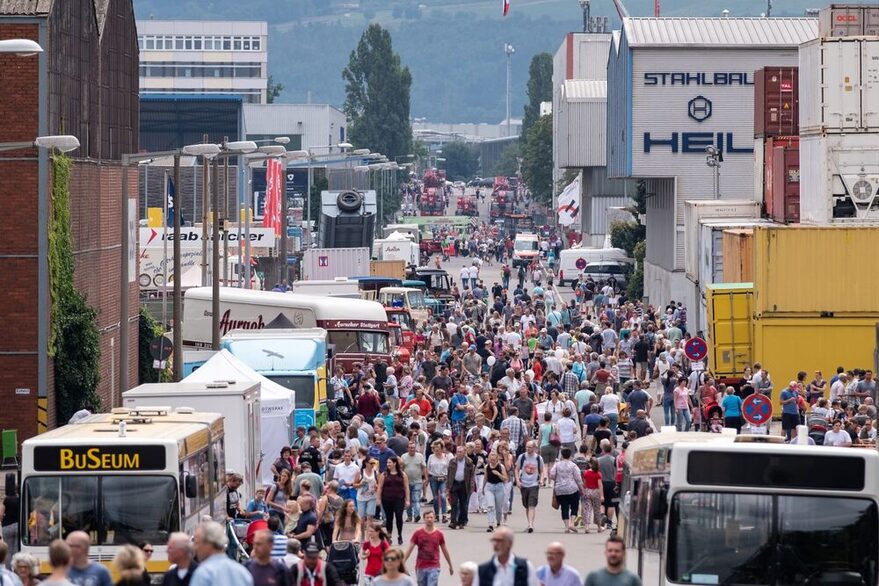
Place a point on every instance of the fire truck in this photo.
(466, 206)
(432, 201)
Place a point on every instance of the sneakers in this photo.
(490, 529)
(529, 530)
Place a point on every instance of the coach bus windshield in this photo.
(113, 510)
(727, 538)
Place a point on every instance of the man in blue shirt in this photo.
(83, 571)
(215, 567)
(458, 413)
(790, 414)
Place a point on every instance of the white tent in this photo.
(276, 404)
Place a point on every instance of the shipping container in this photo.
(776, 101)
(781, 197)
(697, 211)
(729, 333)
(839, 85)
(848, 20)
(738, 255)
(839, 178)
(320, 264)
(711, 254)
(811, 270)
(759, 167)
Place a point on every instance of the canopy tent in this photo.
(276, 404)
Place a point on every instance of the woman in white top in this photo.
(555, 406)
(366, 489)
(437, 469)
(568, 430)
(610, 408)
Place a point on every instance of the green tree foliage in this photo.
(537, 160)
(377, 95)
(635, 286)
(462, 160)
(632, 237)
(508, 163)
(539, 88)
(148, 328)
(74, 340)
(274, 90)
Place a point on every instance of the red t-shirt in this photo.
(591, 479)
(374, 561)
(428, 544)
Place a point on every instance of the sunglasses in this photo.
(148, 551)
(391, 558)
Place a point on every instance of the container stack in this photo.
(777, 155)
(839, 117)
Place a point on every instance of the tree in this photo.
(377, 91)
(539, 88)
(537, 160)
(508, 163)
(632, 237)
(274, 90)
(462, 160)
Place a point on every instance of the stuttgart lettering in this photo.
(699, 78)
(694, 142)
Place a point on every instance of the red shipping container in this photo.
(776, 101)
(781, 185)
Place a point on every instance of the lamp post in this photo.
(714, 158)
(21, 47)
(508, 51)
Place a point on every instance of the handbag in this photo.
(555, 501)
(554, 439)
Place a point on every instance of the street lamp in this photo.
(508, 51)
(64, 143)
(345, 145)
(584, 5)
(21, 47)
(713, 159)
(360, 152)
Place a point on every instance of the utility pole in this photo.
(509, 50)
(226, 217)
(768, 8)
(178, 293)
(205, 218)
(283, 247)
(215, 259)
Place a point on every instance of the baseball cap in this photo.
(312, 550)
(472, 346)
(385, 406)
(447, 433)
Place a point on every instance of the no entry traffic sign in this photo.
(696, 349)
(757, 409)
(580, 263)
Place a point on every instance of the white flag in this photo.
(570, 203)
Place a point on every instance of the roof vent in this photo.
(184, 410)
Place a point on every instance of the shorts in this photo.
(549, 453)
(457, 427)
(529, 496)
(609, 490)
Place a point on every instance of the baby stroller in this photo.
(713, 417)
(346, 559)
(817, 429)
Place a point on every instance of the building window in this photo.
(178, 43)
(196, 43)
(150, 43)
(255, 43)
(227, 44)
(236, 44)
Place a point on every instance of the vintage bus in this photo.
(358, 329)
(703, 509)
(124, 478)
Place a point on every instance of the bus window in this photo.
(195, 466)
(416, 300)
(138, 508)
(57, 505)
(350, 341)
(302, 385)
(374, 342)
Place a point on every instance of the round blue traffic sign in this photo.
(696, 349)
(580, 264)
(757, 409)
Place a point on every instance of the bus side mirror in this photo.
(190, 486)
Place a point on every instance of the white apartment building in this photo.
(202, 56)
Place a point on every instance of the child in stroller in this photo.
(712, 415)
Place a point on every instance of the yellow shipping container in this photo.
(738, 255)
(787, 345)
(816, 270)
(395, 269)
(730, 336)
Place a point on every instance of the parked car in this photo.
(603, 270)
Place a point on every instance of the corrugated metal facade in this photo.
(317, 124)
(661, 236)
(582, 120)
(619, 77)
(719, 32)
(172, 121)
(599, 224)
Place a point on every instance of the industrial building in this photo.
(84, 83)
(204, 57)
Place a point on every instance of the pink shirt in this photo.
(681, 394)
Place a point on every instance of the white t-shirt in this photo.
(567, 430)
(837, 438)
(345, 474)
(609, 404)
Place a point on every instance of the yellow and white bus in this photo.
(715, 510)
(125, 477)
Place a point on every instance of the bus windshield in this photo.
(113, 510)
(729, 538)
(358, 341)
(303, 385)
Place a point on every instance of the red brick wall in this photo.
(18, 237)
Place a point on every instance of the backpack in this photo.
(521, 460)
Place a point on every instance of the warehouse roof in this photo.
(719, 32)
(583, 90)
(25, 7)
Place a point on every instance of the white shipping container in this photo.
(759, 162)
(697, 211)
(839, 178)
(839, 85)
(329, 263)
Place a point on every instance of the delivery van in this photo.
(526, 247)
(573, 261)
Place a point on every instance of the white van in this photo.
(573, 261)
(526, 247)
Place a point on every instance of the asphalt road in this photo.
(584, 551)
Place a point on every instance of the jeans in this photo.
(366, 508)
(494, 500)
(349, 494)
(477, 499)
(438, 490)
(414, 499)
(473, 283)
(427, 577)
(668, 412)
(460, 500)
(683, 421)
(614, 420)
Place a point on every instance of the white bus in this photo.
(742, 512)
(124, 478)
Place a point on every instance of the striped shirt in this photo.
(279, 546)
